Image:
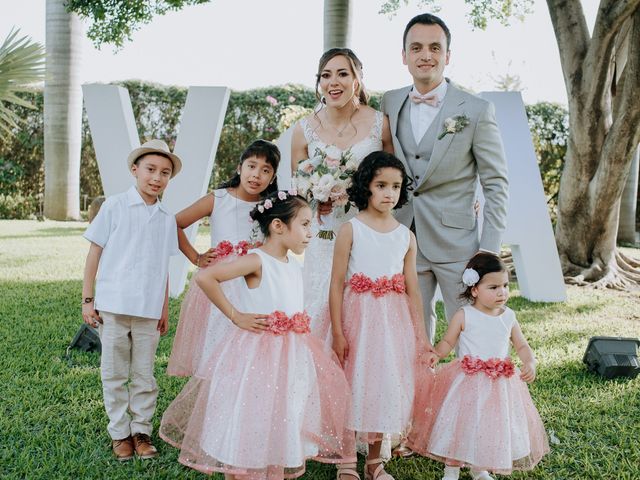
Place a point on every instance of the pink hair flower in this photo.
(261, 208)
(293, 192)
(267, 204)
(282, 195)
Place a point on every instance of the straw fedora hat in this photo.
(155, 146)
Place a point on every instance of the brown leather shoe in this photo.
(122, 449)
(143, 446)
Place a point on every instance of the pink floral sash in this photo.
(226, 248)
(360, 283)
(280, 323)
(493, 368)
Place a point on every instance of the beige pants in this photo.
(128, 353)
(449, 277)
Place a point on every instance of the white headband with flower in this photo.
(282, 195)
(470, 277)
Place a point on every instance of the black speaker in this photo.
(613, 356)
(87, 339)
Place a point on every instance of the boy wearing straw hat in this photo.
(132, 238)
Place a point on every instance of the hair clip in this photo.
(470, 277)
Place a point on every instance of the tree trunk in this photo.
(604, 134)
(337, 23)
(62, 113)
(628, 204)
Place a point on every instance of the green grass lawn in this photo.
(53, 425)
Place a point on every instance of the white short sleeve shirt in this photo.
(137, 242)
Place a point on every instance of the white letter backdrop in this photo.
(529, 230)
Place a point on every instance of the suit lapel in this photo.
(451, 107)
(394, 108)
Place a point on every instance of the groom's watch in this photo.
(86, 300)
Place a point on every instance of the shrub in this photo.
(549, 125)
(18, 207)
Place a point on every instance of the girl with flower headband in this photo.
(376, 309)
(478, 411)
(268, 397)
(232, 235)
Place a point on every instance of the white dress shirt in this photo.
(137, 241)
(422, 115)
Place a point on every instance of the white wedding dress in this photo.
(318, 256)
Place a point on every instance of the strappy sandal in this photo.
(378, 473)
(347, 469)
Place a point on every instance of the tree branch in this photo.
(612, 15)
(624, 135)
(572, 37)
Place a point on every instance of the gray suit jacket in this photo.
(441, 204)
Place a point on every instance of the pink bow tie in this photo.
(417, 98)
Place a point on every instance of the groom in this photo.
(447, 139)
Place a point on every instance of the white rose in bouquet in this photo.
(322, 188)
(302, 185)
(333, 152)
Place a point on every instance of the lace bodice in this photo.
(371, 143)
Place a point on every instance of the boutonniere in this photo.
(454, 125)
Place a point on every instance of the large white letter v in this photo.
(114, 134)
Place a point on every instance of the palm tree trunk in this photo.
(62, 113)
(337, 23)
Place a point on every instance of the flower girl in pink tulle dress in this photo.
(375, 307)
(477, 412)
(268, 397)
(201, 325)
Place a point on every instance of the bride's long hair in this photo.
(356, 69)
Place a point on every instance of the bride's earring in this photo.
(323, 100)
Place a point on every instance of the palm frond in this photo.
(21, 64)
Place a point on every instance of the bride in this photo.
(343, 123)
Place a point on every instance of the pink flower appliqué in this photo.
(300, 322)
(493, 367)
(381, 286)
(282, 195)
(224, 248)
(268, 204)
(397, 283)
(280, 323)
(360, 283)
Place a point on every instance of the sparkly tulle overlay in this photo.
(319, 255)
(201, 326)
(478, 412)
(262, 404)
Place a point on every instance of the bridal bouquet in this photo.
(325, 177)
